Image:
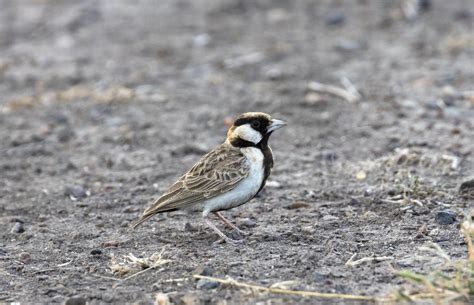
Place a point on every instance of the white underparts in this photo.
(247, 133)
(245, 190)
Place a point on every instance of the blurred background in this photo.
(104, 103)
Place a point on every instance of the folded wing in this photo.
(217, 172)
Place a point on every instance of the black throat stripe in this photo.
(266, 151)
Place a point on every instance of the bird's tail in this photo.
(139, 221)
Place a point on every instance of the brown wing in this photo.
(217, 172)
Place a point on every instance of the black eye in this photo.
(255, 124)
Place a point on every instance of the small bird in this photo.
(228, 176)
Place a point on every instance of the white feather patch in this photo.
(247, 133)
(245, 190)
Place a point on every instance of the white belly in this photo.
(245, 190)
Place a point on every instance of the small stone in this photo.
(272, 184)
(75, 192)
(329, 218)
(446, 217)
(42, 218)
(361, 175)
(18, 228)
(247, 223)
(162, 299)
(205, 284)
(434, 232)
(354, 201)
(319, 276)
(308, 230)
(274, 73)
(347, 45)
(335, 18)
(188, 299)
(297, 205)
(467, 186)
(201, 40)
(25, 257)
(277, 15)
(76, 301)
(96, 252)
(204, 271)
(65, 134)
(407, 103)
(189, 227)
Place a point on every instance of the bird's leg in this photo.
(221, 235)
(230, 224)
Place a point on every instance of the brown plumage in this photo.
(228, 176)
(217, 172)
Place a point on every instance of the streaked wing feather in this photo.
(217, 172)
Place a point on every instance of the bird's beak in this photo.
(275, 124)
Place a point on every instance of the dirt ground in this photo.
(103, 104)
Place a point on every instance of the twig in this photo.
(140, 272)
(105, 277)
(179, 280)
(65, 264)
(337, 91)
(155, 261)
(346, 82)
(352, 263)
(305, 293)
(435, 249)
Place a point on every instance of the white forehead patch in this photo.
(247, 133)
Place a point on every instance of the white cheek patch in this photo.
(247, 133)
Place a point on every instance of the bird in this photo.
(228, 176)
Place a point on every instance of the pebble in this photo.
(18, 228)
(188, 227)
(42, 218)
(201, 40)
(273, 184)
(75, 192)
(347, 45)
(76, 301)
(467, 186)
(368, 192)
(25, 257)
(247, 223)
(96, 252)
(65, 134)
(446, 217)
(297, 205)
(335, 18)
(329, 218)
(205, 284)
(319, 276)
(274, 73)
(162, 299)
(204, 271)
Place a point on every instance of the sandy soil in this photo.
(103, 104)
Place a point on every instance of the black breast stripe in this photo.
(267, 159)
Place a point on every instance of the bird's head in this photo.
(252, 128)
